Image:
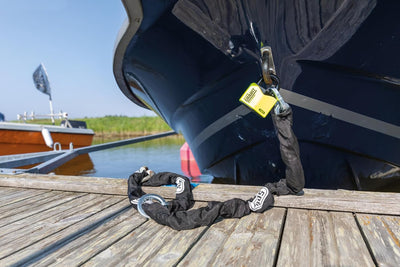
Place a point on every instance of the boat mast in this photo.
(50, 100)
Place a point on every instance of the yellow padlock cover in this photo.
(254, 98)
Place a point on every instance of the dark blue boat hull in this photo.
(345, 102)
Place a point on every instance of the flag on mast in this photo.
(41, 80)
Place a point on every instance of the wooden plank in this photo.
(57, 240)
(261, 244)
(87, 245)
(337, 200)
(223, 192)
(78, 184)
(27, 202)
(150, 244)
(383, 235)
(5, 191)
(320, 238)
(171, 251)
(177, 246)
(19, 195)
(13, 225)
(51, 213)
(29, 230)
(164, 237)
(351, 248)
(344, 200)
(203, 253)
(138, 240)
(64, 183)
(31, 208)
(249, 241)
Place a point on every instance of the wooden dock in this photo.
(68, 221)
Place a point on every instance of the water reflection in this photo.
(82, 165)
(162, 154)
(158, 154)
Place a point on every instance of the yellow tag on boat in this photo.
(254, 98)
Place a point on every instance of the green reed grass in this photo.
(120, 125)
(125, 126)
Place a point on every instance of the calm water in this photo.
(159, 155)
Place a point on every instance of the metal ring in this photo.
(146, 198)
(275, 80)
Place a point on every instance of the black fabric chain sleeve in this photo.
(290, 152)
(176, 214)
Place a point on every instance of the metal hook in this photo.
(57, 146)
(268, 66)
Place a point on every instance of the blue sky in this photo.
(74, 39)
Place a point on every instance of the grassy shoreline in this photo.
(120, 126)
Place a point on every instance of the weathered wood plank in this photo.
(31, 208)
(261, 245)
(383, 235)
(58, 240)
(163, 237)
(17, 194)
(320, 238)
(25, 202)
(250, 241)
(30, 230)
(223, 192)
(150, 244)
(86, 246)
(344, 200)
(138, 240)
(170, 252)
(78, 184)
(64, 183)
(177, 246)
(337, 200)
(351, 248)
(26, 222)
(40, 225)
(6, 191)
(204, 251)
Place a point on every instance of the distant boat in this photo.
(338, 63)
(17, 138)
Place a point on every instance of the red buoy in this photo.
(188, 163)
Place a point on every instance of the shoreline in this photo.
(118, 126)
(111, 137)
